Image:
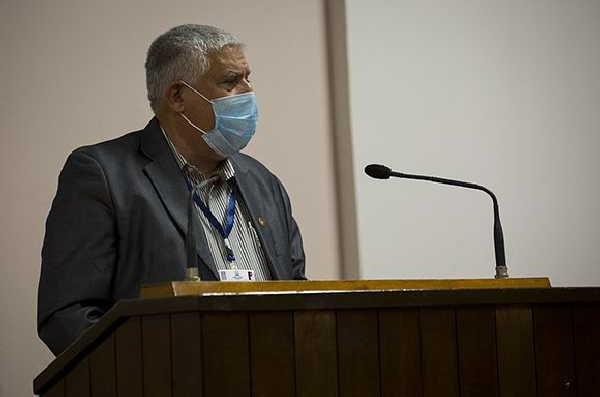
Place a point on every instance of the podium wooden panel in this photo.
(339, 339)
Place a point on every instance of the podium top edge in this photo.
(186, 288)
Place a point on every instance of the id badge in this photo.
(237, 275)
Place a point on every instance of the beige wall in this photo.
(502, 92)
(72, 74)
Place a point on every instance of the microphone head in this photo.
(378, 171)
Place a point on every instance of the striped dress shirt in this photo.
(214, 191)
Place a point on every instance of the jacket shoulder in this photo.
(252, 165)
(114, 147)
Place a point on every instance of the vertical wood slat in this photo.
(439, 352)
(478, 369)
(586, 327)
(77, 381)
(226, 348)
(516, 356)
(272, 354)
(400, 348)
(316, 354)
(156, 355)
(57, 390)
(358, 352)
(186, 336)
(128, 357)
(554, 351)
(102, 369)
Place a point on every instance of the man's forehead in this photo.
(228, 59)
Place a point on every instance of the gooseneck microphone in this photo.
(382, 172)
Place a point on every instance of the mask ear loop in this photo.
(196, 91)
(203, 97)
(192, 124)
(213, 147)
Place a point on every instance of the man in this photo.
(175, 198)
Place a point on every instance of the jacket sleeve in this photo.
(78, 255)
(298, 257)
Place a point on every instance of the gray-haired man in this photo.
(143, 207)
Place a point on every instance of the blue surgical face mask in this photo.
(235, 122)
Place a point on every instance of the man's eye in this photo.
(231, 83)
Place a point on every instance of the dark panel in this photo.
(186, 339)
(586, 327)
(478, 369)
(226, 354)
(57, 390)
(77, 382)
(272, 354)
(358, 353)
(516, 360)
(102, 369)
(439, 356)
(316, 354)
(312, 301)
(156, 355)
(400, 349)
(554, 351)
(128, 352)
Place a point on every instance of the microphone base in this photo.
(191, 274)
(501, 272)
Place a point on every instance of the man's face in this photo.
(228, 75)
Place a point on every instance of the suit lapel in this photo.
(169, 182)
(171, 188)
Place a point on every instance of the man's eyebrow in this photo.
(236, 73)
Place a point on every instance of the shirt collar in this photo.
(224, 170)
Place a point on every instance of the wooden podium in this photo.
(347, 338)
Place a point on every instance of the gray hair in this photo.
(182, 54)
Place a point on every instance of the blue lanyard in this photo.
(225, 230)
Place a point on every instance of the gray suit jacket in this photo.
(119, 220)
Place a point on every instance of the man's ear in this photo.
(174, 97)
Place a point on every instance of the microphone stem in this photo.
(501, 271)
